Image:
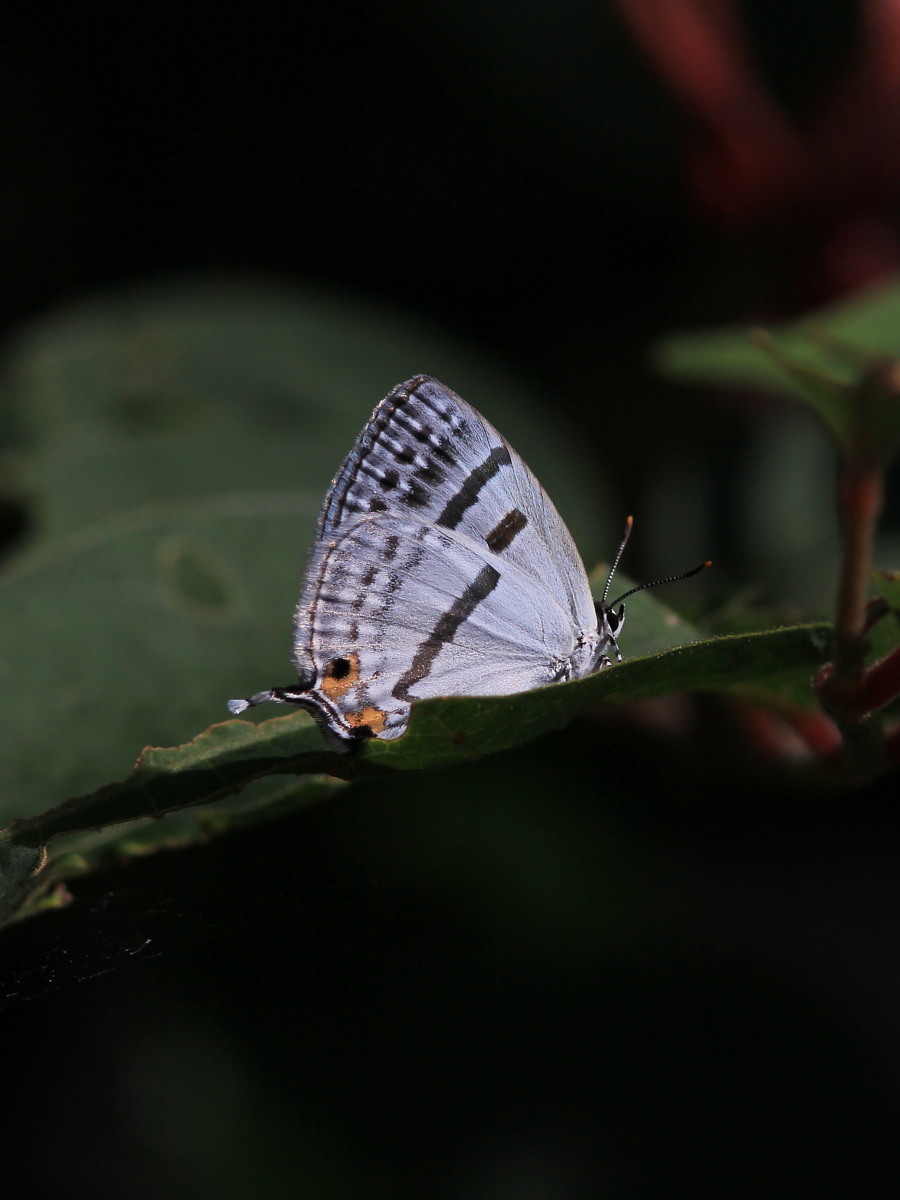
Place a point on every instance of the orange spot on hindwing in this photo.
(340, 676)
(371, 716)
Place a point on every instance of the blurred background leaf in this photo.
(824, 359)
(176, 390)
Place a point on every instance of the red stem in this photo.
(882, 682)
(860, 504)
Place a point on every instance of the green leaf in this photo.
(888, 585)
(87, 849)
(189, 388)
(462, 728)
(456, 729)
(137, 630)
(213, 765)
(838, 360)
(884, 636)
(229, 756)
(19, 865)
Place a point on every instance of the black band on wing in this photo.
(456, 507)
(505, 530)
(445, 630)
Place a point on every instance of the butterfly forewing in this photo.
(426, 455)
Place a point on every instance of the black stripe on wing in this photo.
(445, 630)
(415, 454)
(503, 533)
(458, 504)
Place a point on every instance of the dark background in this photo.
(600, 966)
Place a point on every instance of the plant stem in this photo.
(861, 497)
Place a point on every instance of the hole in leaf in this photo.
(196, 581)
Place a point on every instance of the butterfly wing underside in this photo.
(441, 567)
(429, 456)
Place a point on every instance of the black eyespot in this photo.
(389, 480)
(339, 668)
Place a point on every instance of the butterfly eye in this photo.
(610, 619)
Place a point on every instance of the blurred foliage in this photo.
(176, 441)
(827, 359)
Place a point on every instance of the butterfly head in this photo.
(611, 615)
(609, 625)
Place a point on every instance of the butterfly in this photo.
(440, 567)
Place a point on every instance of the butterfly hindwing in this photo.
(395, 611)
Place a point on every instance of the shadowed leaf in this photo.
(838, 360)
